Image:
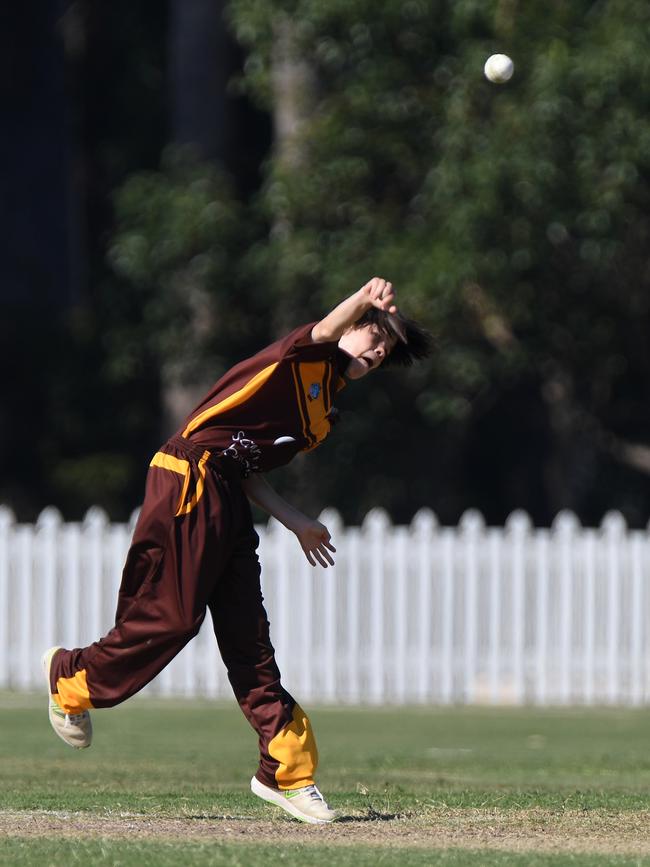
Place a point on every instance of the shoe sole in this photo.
(46, 662)
(279, 800)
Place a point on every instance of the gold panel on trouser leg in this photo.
(169, 462)
(294, 747)
(72, 693)
(186, 508)
(182, 467)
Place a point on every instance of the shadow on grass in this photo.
(221, 818)
(370, 816)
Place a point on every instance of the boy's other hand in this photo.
(315, 541)
(380, 294)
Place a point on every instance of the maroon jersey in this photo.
(272, 405)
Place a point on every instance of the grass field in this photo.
(166, 783)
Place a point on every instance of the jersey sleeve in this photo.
(299, 346)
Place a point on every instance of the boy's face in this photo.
(367, 348)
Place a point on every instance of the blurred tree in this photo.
(179, 236)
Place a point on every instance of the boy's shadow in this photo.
(372, 816)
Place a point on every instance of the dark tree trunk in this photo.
(199, 71)
(39, 250)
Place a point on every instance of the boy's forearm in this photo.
(262, 494)
(377, 293)
(335, 324)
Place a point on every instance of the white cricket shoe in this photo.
(76, 729)
(306, 804)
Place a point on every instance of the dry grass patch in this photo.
(543, 831)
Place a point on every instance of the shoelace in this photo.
(74, 718)
(314, 794)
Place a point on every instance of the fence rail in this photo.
(417, 614)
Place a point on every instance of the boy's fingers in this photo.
(382, 296)
(326, 555)
(328, 545)
(381, 292)
(309, 557)
(384, 289)
(319, 557)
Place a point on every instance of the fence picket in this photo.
(636, 636)
(518, 525)
(566, 527)
(614, 530)
(6, 526)
(447, 624)
(423, 527)
(329, 580)
(472, 527)
(376, 526)
(494, 639)
(353, 549)
(22, 664)
(400, 614)
(541, 576)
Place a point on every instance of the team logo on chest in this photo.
(314, 391)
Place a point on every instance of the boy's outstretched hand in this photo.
(313, 536)
(380, 294)
(315, 541)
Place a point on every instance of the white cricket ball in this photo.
(498, 68)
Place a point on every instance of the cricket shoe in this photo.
(76, 729)
(306, 804)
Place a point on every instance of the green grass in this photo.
(160, 755)
(168, 759)
(101, 852)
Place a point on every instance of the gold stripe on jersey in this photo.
(236, 399)
(300, 398)
(327, 388)
(315, 373)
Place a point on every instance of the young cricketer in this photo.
(194, 546)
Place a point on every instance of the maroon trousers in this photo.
(194, 547)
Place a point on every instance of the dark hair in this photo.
(413, 341)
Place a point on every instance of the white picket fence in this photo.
(417, 614)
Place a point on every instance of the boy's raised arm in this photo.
(376, 293)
